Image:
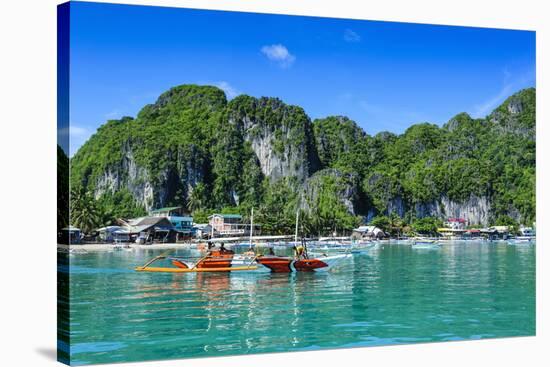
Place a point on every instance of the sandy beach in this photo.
(110, 246)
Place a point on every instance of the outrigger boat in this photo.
(230, 263)
(279, 264)
(215, 261)
(522, 240)
(224, 260)
(301, 262)
(426, 244)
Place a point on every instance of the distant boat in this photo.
(522, 240)
(364, 247)
(403, 241)
(426, 244)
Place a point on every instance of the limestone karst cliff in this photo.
(192, 147)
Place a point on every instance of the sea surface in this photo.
(391, 295)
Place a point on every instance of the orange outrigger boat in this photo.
(224, 260)
(228, 261)
(214, 261)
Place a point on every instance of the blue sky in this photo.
(383, 75)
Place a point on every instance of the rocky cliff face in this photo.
(158, 161)
(280, 135)
(517, 114)
(185, 172)
(159, 156)
(342, 185)
(192, 136)
(476, 210)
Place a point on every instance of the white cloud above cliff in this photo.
(279, 54)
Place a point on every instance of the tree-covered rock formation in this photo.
(193, 148)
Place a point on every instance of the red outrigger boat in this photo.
(286, 265)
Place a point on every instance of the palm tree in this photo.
(196, 198)
(84, 212)
(396, 224)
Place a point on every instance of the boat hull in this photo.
(288, 265)
(275, 264)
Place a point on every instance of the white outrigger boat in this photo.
(527, 237)
(428, 244)
(522, 240)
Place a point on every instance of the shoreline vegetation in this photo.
(194, 148)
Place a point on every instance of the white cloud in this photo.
(115, 114)
(351, 36)
(279, 54)
(229, 90)
(491, 103)
(511, 83)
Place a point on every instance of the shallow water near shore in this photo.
(391, 295)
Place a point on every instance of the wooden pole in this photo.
(296, 231)
(251, 227)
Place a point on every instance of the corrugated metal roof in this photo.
(231, 216)
(178, 218)
(167, 209)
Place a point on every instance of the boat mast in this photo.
(296, 231)
(251, 227)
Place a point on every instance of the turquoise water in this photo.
(392, 295)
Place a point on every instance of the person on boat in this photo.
(209, 248)
(249, 252)
(270, 251)
(224, 251)
(299, 252)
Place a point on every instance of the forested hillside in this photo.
(195, 149)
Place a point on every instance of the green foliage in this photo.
(505, 220)
(382, 222)
(85, 212)
(197, 199)
(327, 213)
(194, 129)
(336, 136)
(526, 118)
(89, 214)
(277, 211)
(427, 225)
(393, 224)
(201, 215)
(120, 204)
